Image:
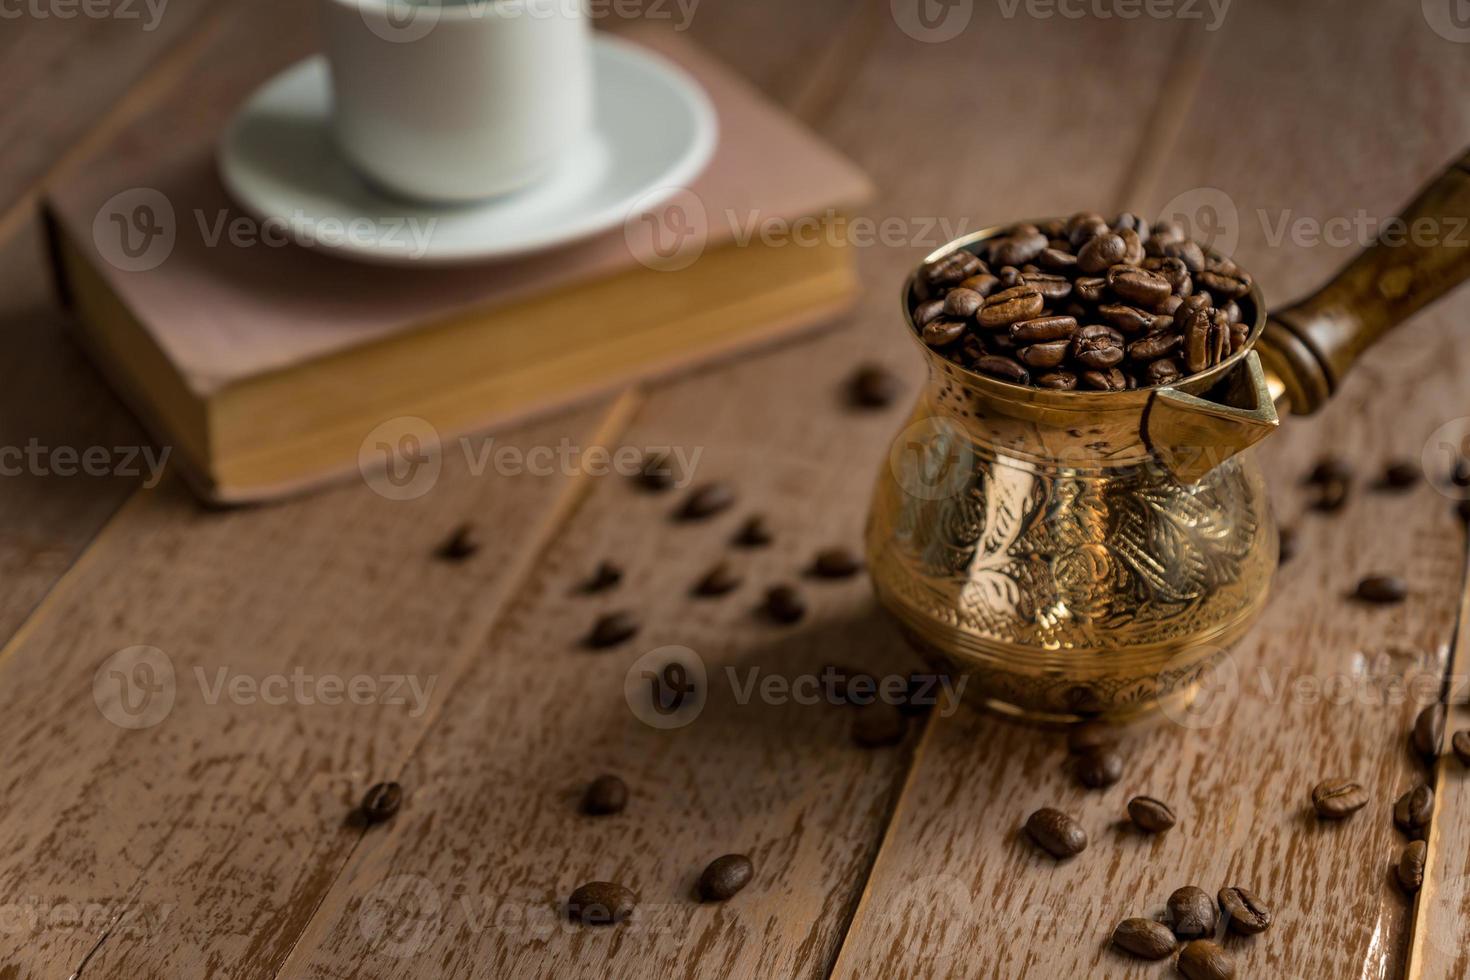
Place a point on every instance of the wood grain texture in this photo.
(1321, 681)
(469, 878)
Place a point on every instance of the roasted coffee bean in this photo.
(1411, 866)
(1095, 347)
(1090, 289)
(1400, 475)
(1188, 307)
(1056, 833)
(943, 332)
(1230, 285)
(1090, 736)
(1162, 372)
(380, 802)
(1188, 252)
(1110, 380)
(1289, 541)
(837, 562)
(961, 303)
(1139, 287)
(1461, 744)
(1053, 227)
(719, 580)
(1010, 277)
(657, 473)
(1239, 334)
(927, 313)
(1043, 329)
(1100, 252)
(1428, 734)
(1169, 231)
(1197, 348)
(607, 576)
(755, 532)
(1411, 812)
(1099, 768)
(1460, 475)
(1057, 380)
(605, 795)
(1462, 510)
(1192, 912)
(1005, 368)
(1204, 960)
(1335, 799)
(1056, 260)
(601, 903)
(1144, 938)
(1245, 914)
(1382, 589)
(874, 386)
(1331, 469)
(984, 284)
(612, 629)
(460, 545)
(878, 724)
(1176, 274)
(1017, 246)
(1127, 221)
(1084, 226)
(1053, 288)
(1150, 815)
(784, 604)
(1128, 319)
(1132, 247)
(1153, 347)
(1045, 355)
(1023, 302)
(1331, 496)
(724, 876)
(951, 269)
(707, 500)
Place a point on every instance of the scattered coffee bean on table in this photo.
(1412, 811)
(1150, 815)
(1460, 475)
(460, 545)
(784, 604)
(1461, 744)
(725, 876)
(1290, 542)
(381, 802)
(1055, 832)
(718, 581)
(707, 500)
(1331, 497)
(607, 576)
(1411, 866)
(1401, 474)
(1335, 799)
(879, 724)
(1245, 914)
(612, 629)
(755, 532)
(838, 562)
(1463, 510)
(1204, 960)
(1382, 589)
(1089, 736)
(1144, 938)
(605, 796)
(1428, 734)
(1192, 912)
(1331, 469)
(657, 473)
(874, 386)
(1099, 768)
(1103, 306)
(601, 903)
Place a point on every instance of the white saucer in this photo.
(654, 133)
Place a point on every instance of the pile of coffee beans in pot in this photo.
(1085, 303)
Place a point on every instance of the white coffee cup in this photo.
(457, 100)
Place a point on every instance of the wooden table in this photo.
(217, 842)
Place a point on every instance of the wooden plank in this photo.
(956, 887)
(491, 842)
(205, 842)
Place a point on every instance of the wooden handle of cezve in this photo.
(1311, 344)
